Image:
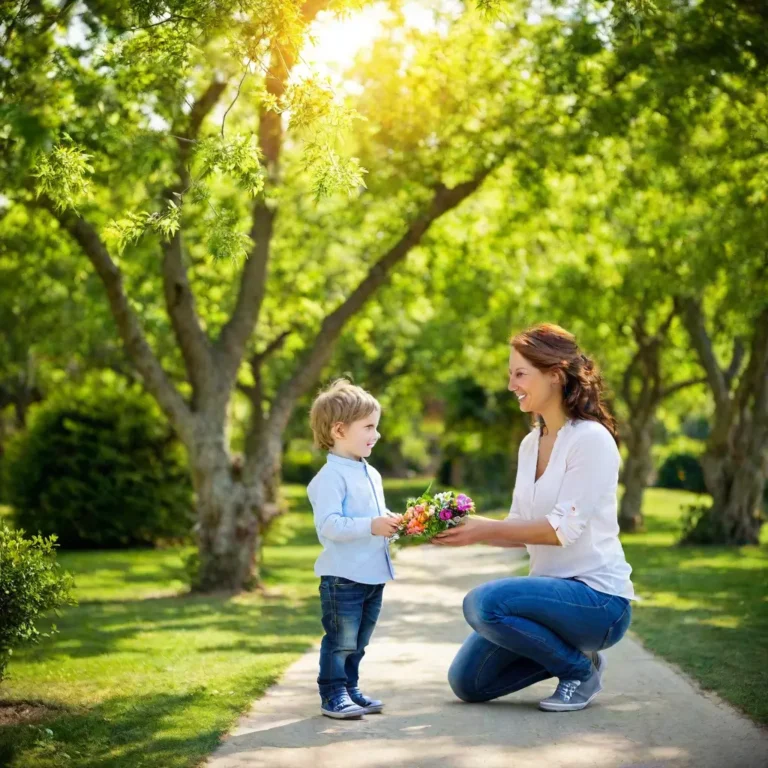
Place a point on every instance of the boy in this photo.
(352, 524)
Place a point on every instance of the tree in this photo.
(735, 462)
(438, 163)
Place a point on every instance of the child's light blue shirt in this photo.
(346, 495)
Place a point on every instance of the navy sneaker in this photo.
(370, 706)
(341, 707)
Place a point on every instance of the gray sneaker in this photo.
(599, 660)
(571, 695)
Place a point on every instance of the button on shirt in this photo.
(346, 496)
(577, 495)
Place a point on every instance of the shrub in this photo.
(682, 471)
(100, 467)
(31, 583)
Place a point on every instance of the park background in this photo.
(210, 209)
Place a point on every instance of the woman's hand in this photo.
(471, 531)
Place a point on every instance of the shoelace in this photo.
(566, 688)
(341, 702)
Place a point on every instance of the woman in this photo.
(575, 601)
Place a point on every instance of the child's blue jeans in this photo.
(350, 611)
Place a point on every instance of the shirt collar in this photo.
(334, 459)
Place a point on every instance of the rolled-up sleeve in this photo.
(326, 494)
(590, 479)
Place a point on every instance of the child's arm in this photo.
(326, 494)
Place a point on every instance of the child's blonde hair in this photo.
(341, 402)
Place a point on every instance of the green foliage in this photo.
(239, 157)
(31, 584)
(129, 229)
(683, 472)
(225, 240)
(300, 463)
(699, 528)
(100, 467)
(62, 174)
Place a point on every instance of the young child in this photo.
(352, 524)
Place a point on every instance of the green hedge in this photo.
(682, 471)
(99, 467)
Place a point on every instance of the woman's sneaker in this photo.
(370, 706)
(341, 707)
(599, 660)
(571, 695)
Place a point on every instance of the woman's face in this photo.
(534, 389)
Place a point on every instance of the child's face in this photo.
(356, 440)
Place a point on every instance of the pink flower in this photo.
(446, 514)
(464, 503)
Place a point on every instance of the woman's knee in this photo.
(618, 629)
(482, 604)
(462, 684)
(472, 607)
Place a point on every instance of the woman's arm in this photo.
(498, 533)
(590, 480)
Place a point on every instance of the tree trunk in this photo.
(636, 473)
(735, 463)
(735, 476)
(227, 529)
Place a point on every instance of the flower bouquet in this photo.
(427, 515)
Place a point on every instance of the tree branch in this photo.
(672, 388)
(663, 329)
(182, 311)
(757, 367)
(179, 299)
(200, 110)
(258, 359)
(308, 369)
(693, 318)
(234, 336)
(737, 358)
(127, 322)
(231, 344)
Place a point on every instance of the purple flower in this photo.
(464, 503)
(446, 514)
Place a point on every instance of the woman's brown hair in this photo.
(551, 348)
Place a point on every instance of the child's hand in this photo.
(384, 526)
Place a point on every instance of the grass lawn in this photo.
(141, 674)
(705, 609)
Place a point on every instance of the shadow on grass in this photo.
(101, 628)
(129, 731)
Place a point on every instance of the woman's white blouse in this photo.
(577, 495)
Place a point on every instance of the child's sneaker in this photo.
(341, 707)
(370, 706)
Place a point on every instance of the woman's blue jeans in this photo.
(530, 628)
